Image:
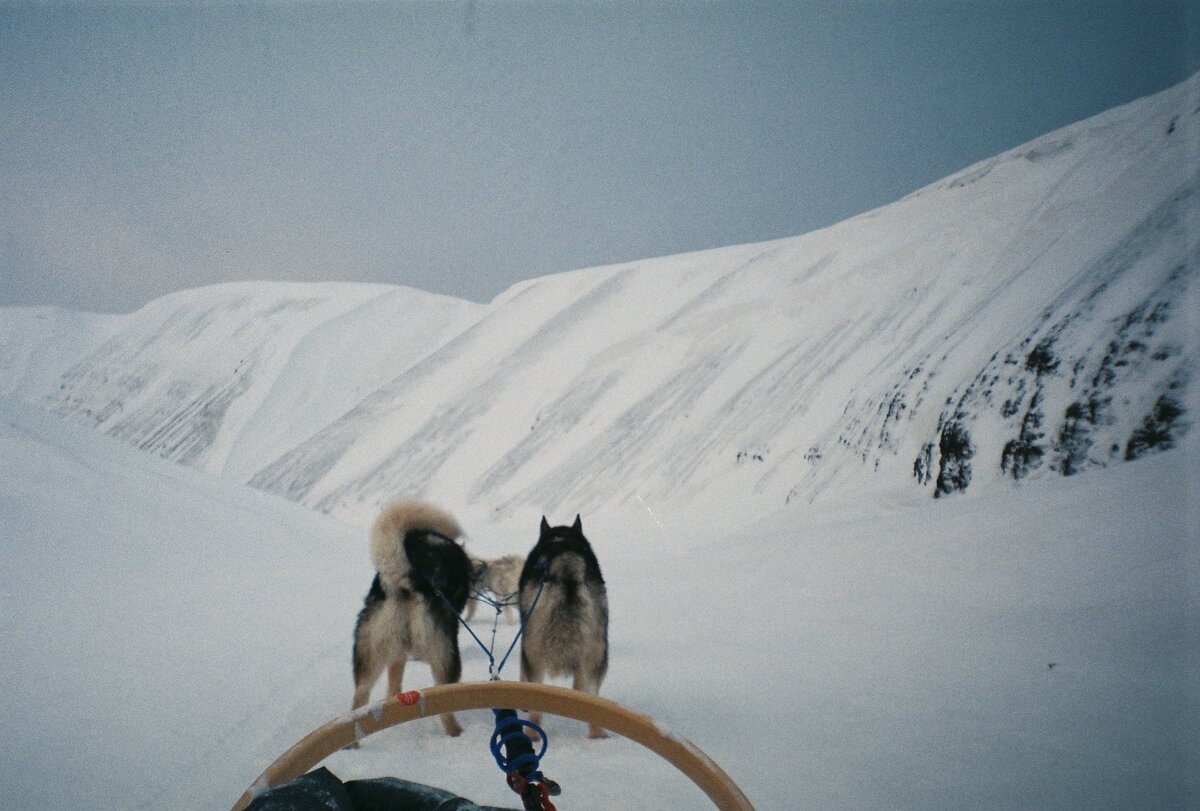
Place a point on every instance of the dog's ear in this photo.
(578, 525)
(545, 525)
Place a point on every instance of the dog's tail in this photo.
(397, 520)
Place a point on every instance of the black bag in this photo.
(321, 790)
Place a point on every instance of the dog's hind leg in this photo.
(395, 673)
(589, 684)
(532, 673)
(368, 666)
(447, 669)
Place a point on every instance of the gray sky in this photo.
(459, 147)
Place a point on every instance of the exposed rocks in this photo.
(923, 466)
(955, 452)
(1164, 425)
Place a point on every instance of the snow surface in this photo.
(167, 634)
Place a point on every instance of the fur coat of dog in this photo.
(412, 607)
(564, 605)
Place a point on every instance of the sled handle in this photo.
(341, 732)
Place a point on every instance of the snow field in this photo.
(167, 635)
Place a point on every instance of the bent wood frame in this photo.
(341, 732)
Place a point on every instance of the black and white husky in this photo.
(412, 608)
(564, 606)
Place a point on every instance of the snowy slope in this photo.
(167, 634)
(141, 606)
(37, 344)
(1031, 316)
(1028, 315)
(204, 377)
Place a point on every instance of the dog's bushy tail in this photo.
(397, 520)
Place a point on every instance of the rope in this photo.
(498, 605)
(511, 746)
(521, 627)
(513, 750)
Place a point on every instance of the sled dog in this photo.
(416, 554)
(501, 577)
(566, 625)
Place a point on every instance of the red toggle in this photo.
(534, 796)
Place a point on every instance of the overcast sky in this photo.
(459, 147)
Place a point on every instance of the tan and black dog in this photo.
(412, 608)
(566, 631)
(501, 577)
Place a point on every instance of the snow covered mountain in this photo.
(223, 377)
(167, 632)
(1031, 316)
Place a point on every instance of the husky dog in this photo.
(501, 577)
(418, 562)
(566, 624)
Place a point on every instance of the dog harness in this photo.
(511, 746)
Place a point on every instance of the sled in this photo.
(433, 701)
